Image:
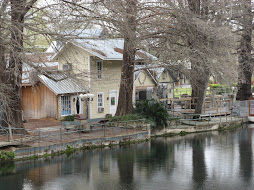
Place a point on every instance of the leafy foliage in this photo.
(220, 89)
(154, 111)
(129, 117)
(69, 150)
(68, 118)
(7, 155)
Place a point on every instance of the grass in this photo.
(179, 91)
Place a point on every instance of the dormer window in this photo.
(66, 67)
(99, 69)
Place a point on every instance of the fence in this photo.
(180, 120)
(210, 106)
(53, 135)
(241, 107)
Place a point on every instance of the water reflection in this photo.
(245, 155)
(216, 160)
(125, 162)
(198, 161)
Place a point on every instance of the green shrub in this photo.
(7, 155)
(220, 89)
(182, 133)
(68, 118)
(125, 118)
(154, 111)
(69, 150)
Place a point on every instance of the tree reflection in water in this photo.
(245, 153)
(198, 161)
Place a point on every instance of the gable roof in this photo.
(55, 46)
(62, 84)
(158, 73)
(85, 33)
(57, 83)
(106, 49)
(42, 61)
(139, 69)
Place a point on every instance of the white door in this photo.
(113, 102)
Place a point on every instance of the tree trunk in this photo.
(199, 76)
(126, 86)
(199, 82)
(14, 70)
(125, 105)
(2, 62)
(245, 65)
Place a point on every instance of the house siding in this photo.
(145, 80)
(111, 75)
(78, 59)
(39, 102)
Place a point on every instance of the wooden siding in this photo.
(39, 102)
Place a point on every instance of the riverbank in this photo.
(180, 130)
(210, 160)
(60, 143)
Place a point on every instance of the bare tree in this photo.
(245, 58)
(124, 19)
(194, 36)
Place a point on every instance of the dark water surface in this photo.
(214, 160)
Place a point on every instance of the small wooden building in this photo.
(52, 98)
(39, 102)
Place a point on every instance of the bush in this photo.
(125, 118)
(154, 111)
(69, 150)
(220, 89)
(7, 155)
(68, 118)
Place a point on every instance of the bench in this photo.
(68, 125)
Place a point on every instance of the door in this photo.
(78, 105)
(113, 102)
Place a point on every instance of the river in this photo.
(212, 160)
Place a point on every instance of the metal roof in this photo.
(62, 84)
(42, 61)
(107, 49)
(84, 33)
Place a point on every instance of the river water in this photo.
(214, 160)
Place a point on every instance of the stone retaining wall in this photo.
(200, 128)
(108, 141)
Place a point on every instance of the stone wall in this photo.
(84, 143)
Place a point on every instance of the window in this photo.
(65, 105)
(99, 69)
(66, 67)
(100, 100)
(113, 101)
